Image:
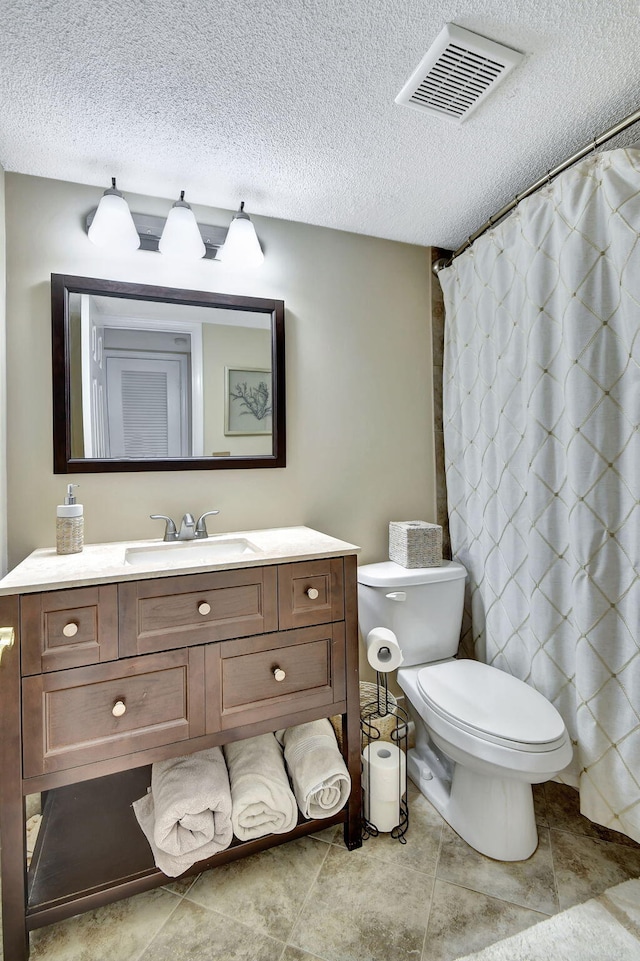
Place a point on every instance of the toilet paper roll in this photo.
(383, 650)
(383, 784)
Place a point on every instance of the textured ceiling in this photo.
(289, 104)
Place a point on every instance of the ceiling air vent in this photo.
(457, 73)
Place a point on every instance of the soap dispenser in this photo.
(69, 524)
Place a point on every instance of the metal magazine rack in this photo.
(382, 719)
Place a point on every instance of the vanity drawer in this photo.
(310, 592)
(62, 629)
(169, 612)
(93, 713)
(267, 677)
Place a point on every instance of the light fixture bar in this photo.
(150, 229)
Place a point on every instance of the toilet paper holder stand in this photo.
(382, 719)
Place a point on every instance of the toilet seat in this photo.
(492, 705)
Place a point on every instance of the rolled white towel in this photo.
(321, 782)
(261, 800)
(186, 815)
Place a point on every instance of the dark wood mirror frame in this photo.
(63, 285)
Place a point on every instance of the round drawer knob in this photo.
(312, 593)
(279, 674)
(70, 630)
(204, 608)
(118, 709)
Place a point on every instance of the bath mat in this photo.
(606, 928)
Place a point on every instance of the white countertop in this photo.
(104, 563)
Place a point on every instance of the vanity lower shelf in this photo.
(96, 818)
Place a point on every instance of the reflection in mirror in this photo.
(160, 379)
(138, 383)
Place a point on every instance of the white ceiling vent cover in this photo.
(459, 70)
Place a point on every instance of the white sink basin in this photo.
(213, 550)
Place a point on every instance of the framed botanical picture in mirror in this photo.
(248, 400)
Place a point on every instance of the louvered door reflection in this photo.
(148, 410)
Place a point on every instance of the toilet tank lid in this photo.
(390, 574)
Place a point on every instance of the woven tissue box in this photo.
(415, 543)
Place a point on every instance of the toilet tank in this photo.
(422, 606)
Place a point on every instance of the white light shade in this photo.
(112, 225)
(181, 236)
(242, 247)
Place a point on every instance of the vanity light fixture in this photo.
(181, 235)
(112, 224)
(178, 235)
(242, 247)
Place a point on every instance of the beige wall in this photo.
(359, 381)
(3, 405)
(437, 330)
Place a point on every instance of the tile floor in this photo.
(432, 899)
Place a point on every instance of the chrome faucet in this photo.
(189, 529)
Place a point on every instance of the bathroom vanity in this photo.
(128, 654)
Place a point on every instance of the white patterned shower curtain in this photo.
(541, 422)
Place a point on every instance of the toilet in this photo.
(482, 737)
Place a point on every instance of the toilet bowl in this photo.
(482, 737)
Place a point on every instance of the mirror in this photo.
(152, 378)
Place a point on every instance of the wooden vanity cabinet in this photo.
(104, 680)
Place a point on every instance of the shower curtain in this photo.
(541, 422)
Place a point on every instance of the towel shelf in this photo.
(156, 668)
(87, 817)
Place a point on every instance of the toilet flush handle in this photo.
(397, 596)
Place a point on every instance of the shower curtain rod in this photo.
(593, 145)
